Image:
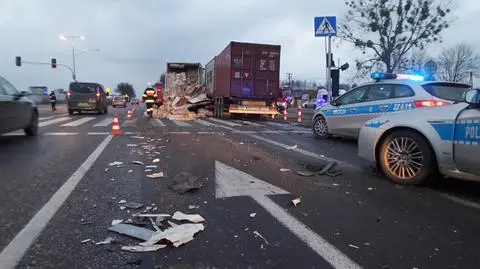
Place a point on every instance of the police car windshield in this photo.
(448, 91)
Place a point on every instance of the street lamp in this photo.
(78, 52)
(64, 37)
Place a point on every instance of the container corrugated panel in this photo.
(248, 71)
(209, 77)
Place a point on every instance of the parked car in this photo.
(135, 101)
(414, 146)
(17, 111)
(119, 101)
(389, 93)
(86, 96)
(310, 104)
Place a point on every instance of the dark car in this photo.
(86, 96)
(17, 111)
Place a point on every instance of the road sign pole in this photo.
(329, 64)
(326, 26)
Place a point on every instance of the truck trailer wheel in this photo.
(215, 107)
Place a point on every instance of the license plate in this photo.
(83, 105)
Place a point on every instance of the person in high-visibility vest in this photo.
(149, 96)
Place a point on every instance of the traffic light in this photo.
(54, 63)
(335, 75)
(108, 91)
(18, 61)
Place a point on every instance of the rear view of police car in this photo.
(389, 93)
(410, 147)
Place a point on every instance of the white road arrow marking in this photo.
(231, 182)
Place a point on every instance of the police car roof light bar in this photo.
(380, 76)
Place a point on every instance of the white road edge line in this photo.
(52, 117)
(14, 251)
(98, 133)
(53, 121)
(179, 132)
(304, 152)
(60, 134)
(461, 201)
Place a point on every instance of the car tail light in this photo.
(98, 95)
(69, 94)
(430, 103)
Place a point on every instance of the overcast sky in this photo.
(137, 37)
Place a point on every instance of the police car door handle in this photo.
(352, 109)
(384, 107)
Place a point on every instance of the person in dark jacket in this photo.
(53, 100)
(149, 96)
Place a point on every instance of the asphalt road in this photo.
(57, 190)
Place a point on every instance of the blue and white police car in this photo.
(414, 146)
(388, 93)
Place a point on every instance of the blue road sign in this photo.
(325, 26)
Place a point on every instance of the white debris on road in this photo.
(156, 160)
(353, 246)
(115, 163)
(257, 234)
(116, 221)
(107, 240)
(156, 175)
(122, 201)
(196, 218)
(178, 235)
(143, 248)
(252, 215)
(295, 202)
(284, 170)
(291, 147)
(137, 162)
(86, 241)
(151, 166)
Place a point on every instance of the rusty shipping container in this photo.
(247, 71)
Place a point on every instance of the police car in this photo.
(413, 146)
(388, 93)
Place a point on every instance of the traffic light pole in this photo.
(74, 72)
(328, 46)
(64, 65)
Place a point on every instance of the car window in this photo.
(353, 96)
(402, 91)
(8, 88)
(379, 92)
(2, 90)
(448, 91)
(83, 88)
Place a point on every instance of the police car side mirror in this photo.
(334, 103)
(473, 97)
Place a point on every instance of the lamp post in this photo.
(81, 37)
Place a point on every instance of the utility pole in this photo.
(289, 77)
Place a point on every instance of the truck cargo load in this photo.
(184, 92)
(244, 79)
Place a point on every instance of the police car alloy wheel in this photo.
(406, 158)
(320, 127)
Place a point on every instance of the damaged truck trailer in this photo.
(184, 90)
(244, 79)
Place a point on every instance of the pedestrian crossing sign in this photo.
(325, 26)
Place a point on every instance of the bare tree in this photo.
(386, 30)
(414, 61)
(456, 63)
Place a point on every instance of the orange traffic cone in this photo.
(116, 126)
(129, 115)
